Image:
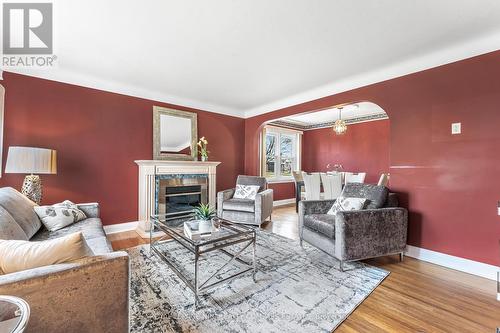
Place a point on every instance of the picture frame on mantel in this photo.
(175, 134)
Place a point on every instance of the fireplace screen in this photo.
(176, 196)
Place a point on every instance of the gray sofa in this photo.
(88, 295)
(378, 230)
(244, 210)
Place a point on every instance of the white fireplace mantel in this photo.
(149, 169)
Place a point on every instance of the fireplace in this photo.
(178, 183)
(178, 194)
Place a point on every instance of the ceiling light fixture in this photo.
(340, 127)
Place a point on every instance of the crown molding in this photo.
(475, 47)
(349, 121)
(92, 82)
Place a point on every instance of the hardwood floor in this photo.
(416, 296)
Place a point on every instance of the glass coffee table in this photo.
(227, 236)
(14, 314)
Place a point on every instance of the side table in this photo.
(14, 314)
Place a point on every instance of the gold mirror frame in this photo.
(157, 154)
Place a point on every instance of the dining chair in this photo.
(300, 191)
(341, 173)
(351, 177)
(383, 180)
(297, 178)
(312, 183)
(332, 185)
(345, 176)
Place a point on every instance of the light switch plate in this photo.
(456, 128)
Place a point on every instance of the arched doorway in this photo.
(308, 142)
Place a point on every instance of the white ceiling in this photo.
(250, 57)
(351, 111)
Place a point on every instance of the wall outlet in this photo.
(456, 128)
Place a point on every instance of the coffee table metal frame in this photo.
(244, 235)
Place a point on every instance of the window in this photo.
(281, 153)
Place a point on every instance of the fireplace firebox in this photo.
(177, 195)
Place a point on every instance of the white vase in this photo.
(205, 226)
(204, 158)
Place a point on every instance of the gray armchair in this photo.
(378, 230)
(244, 210)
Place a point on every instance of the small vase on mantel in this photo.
(204, 158)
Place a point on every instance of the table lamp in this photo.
(31, 161)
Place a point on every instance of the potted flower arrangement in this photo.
(204, 213)
(203, 149)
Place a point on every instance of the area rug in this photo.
(297, 289)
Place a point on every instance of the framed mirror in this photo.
(175, 134)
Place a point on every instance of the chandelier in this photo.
(340, 127)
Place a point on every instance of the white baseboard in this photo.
(457, 263)
(277, 203)
(120, 227)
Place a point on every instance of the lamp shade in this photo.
(31, 160)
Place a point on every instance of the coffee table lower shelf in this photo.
(247, 239)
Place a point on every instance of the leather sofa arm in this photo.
(88, 295)
(369, 233)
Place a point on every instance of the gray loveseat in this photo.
(89, 295)
(378, 230)
(244, 210)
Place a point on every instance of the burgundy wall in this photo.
(98, 135)
(282, 191)
(451, 184)
(364, 148)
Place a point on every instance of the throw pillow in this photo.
(60, 215)
(246, 192)
(9, 229)
(345, 204)
(19, 255)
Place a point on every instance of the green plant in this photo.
(204, 212)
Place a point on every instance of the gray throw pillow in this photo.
(21, 210)
(9, 229)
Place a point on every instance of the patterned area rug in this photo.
(296, 290)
